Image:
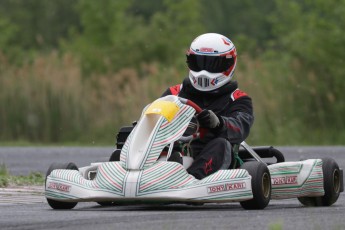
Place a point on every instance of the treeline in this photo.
(75, 71)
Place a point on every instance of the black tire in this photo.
(115, 156)
(60, 204)
(261, 185)
(331, 185)
(106, 203)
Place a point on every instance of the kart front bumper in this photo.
(163, 182)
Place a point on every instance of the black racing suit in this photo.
(234, 109)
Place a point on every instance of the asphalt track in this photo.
(25, 208)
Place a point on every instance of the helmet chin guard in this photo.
(211, 59)
(206, 81)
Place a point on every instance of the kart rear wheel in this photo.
(60, 204)
(261, 185)
(331, 184)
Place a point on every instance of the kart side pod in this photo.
(315, 182)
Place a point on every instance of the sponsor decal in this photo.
(217, 188)
(226, 187)
(235, 186)
(284, 180)
(206, 50)
(59, 187)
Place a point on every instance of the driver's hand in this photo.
(208, 119)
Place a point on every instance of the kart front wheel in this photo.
(261, 185)
(115, 156)
(60, 204)
(331, 183)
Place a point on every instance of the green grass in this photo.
(51, 103)
(275, 226)
(6, 180)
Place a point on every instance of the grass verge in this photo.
(6, 180)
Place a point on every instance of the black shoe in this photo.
(176, 157)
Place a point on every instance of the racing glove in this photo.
(208, 119)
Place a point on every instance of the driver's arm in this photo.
(238, 120)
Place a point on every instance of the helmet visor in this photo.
(212, 64)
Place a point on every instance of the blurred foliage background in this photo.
(75, 71)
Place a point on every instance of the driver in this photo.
(227, 111)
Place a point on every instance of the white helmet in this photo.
(211, 59)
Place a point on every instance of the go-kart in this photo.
(140, 169)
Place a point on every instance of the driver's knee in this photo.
(215, 155)
(223, 147)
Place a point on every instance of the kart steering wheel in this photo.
(201, 131)
(191, 103)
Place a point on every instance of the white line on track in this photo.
(22, 195)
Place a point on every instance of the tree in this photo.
(114, 37)
(309, 37)
(32, 26)
(246, 22)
